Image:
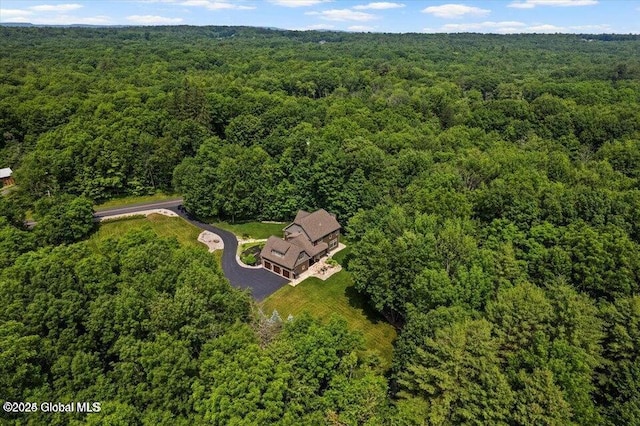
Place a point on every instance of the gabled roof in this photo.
(301, 214)
(280, 245)
(316, 225)
(284, 253)
(293, 230)
(302, 241)
(5, 173)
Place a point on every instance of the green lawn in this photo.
(335, 295)
(256, 230)
(319, 298)
(243, 247)
(134, 199)
(164, 226)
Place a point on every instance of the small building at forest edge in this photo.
(310, 237)
(6, 177)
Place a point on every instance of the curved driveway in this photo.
(259, 281)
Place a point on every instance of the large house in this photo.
(306, 240)
(6, 176)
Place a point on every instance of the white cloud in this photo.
(208, 4)
(297, 3)
(343, 15)
(598, 27)
(153, 20)
(39, 15)
(72, 20)
(530, 4)
(56, 7)
(16, 18)
(314, 27)
(545, 28)
(215, 5)
(515, 27)
(360, 28)
(381, 5)
(13, 14)
(484, 27)
(518, 5)
(455, 11)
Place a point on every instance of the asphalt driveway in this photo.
(133, 208)
(260, 282)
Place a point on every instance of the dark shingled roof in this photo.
(280, 245)
(317, 224)
(310, 249)
(300, 215)
(290, 252)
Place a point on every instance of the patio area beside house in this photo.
(321, 269)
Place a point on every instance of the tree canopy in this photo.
(489, 187)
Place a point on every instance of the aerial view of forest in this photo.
(488, 192)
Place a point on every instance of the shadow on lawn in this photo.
(343, 257)
(359, 301)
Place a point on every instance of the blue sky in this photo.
(509, 16)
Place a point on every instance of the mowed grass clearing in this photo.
(133, 199)
(163, 226)
(336, 295)
(256, 230)
(320, 298)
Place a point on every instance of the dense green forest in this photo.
(489, 186)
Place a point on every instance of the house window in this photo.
(277, 253)
(332, 244)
